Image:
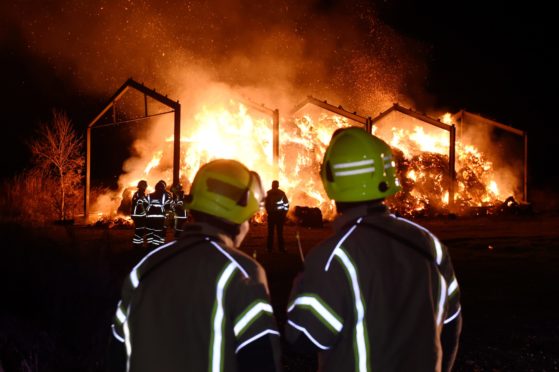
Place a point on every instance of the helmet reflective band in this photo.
(226, 189)
(358, 166)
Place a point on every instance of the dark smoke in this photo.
(338, 50)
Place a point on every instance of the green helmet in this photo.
(358, 166)
(226, 189)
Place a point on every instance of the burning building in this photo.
(441, 170)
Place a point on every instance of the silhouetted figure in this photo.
(277, 206)
(180, 213)
(159, 203)
(138, 213)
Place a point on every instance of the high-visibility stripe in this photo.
(254, 338)
(134, 278)
(252, 313)
(325, 315)
(348, 233)
(453, 316)
(229, 257)
(307, 333)
(120, 314)
(438, 248)
(354, 172)
(116, 335)
(442, 299)
(216, 343)
(353, 164)
(452, 287)
(361, 339)
(127, 344)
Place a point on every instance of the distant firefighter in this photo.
(277, 206)
(159, 203)
(138, 213)
(179, 210)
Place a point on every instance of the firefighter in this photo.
(380, 294)
(180, 213)
(277, 206)
(159, 204)
(198, 303)
(138, 214)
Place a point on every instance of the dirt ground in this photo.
(60, 284)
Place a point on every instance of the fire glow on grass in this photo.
(231, 132)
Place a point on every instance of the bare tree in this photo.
(57, 152)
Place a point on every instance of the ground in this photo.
(60, 285)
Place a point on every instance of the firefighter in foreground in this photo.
(380, 294)
(138, 214)
(199, 303)
(159, 204)
(277, 206)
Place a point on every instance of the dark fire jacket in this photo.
(194, 305)
(375, 296)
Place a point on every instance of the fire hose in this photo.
(299, 245)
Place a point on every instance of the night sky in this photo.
(498, 60)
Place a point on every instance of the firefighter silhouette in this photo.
(179, 210)
(159, 204)
(277, 206)
(138, 213)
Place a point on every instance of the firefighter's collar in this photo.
(352, 214)
(214, 233)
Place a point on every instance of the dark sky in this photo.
(491, 58)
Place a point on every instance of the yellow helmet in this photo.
(358, 166)
(226, 189)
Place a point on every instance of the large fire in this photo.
(232, 131)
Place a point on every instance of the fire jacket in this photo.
(375, 296)
(197, 304)
(159, 203)
(178, 206)
(139, 204)
(277, 203)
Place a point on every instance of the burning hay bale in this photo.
(308, 217)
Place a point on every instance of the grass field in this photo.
(60, 284)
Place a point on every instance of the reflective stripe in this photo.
(355, 171)
(115, 334)
(442, 299)
(254, 311)
(452, 287)
(252, 339)
(451, 318)
(438, 247)
(134, 273)
(340, 243)
(229, 257)
(127, 344)
(353, 164)
(309, 336)
(362, 363)
(331, 319)
(218, 316)
(120, 314)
